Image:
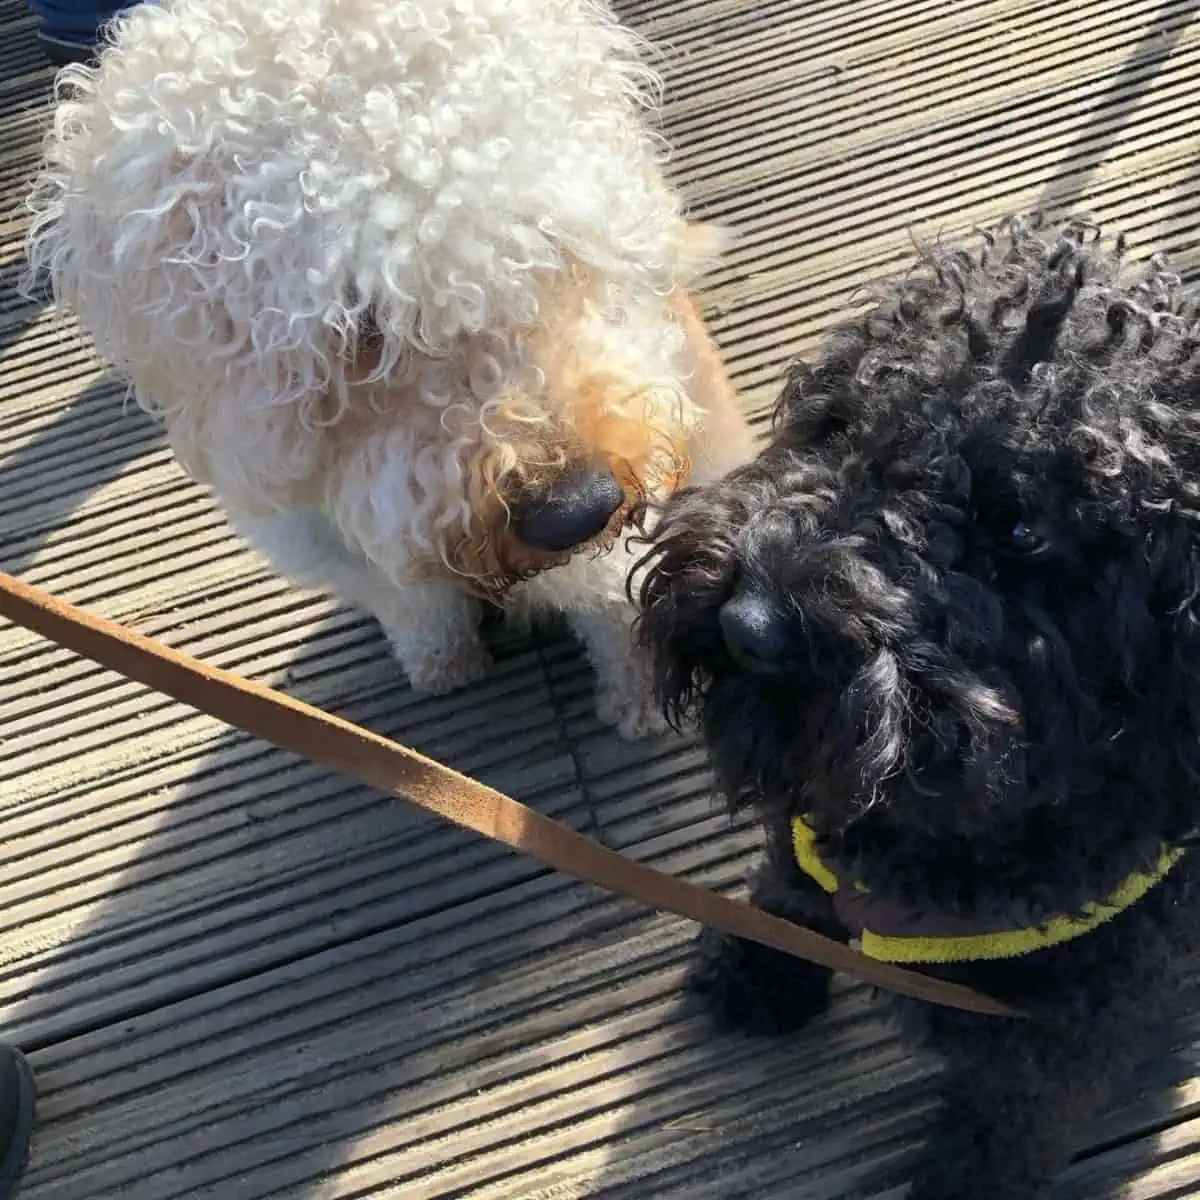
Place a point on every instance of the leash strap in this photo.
(390, 767)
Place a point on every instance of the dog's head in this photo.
(961, 586)
(407, 263)
(512, 453)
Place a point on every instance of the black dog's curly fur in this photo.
(976, 532)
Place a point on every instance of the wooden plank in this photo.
(242, 978)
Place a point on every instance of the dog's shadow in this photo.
(842, 1111)
(228, 965)
(283, 963)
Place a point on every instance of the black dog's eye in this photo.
(1024, 539)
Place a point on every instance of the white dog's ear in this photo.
(704, 245)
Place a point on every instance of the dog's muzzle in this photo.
(573, 510)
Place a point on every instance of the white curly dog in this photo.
(406, 284)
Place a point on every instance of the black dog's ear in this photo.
(817, 403)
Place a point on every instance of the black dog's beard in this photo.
(835, 751)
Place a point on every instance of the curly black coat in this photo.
(971, 559)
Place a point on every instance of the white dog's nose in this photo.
(574, 510)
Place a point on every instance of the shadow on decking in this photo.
(1130, 85)
(361, 979)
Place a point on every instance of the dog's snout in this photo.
(755, 632)
(572, 511)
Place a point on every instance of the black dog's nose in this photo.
(575, 509)
(755, 632)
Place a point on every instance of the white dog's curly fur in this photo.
(383, 267)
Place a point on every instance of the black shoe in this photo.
(18, 1110)
(62, 50)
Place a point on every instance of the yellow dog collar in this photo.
(890, 936)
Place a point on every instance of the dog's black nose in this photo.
(755, 633)
(573, 510)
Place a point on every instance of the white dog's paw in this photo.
(447, 669)
(624, 677)
(634, 716)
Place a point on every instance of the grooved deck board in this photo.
(241, 978)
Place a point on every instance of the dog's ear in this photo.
(817, 403)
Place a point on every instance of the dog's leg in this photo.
(1015, 1102)
(434, 630)
(1019, 1096)
(590, 592)
(432, 625)
(624, 688)
(755, 989)
(725, 441)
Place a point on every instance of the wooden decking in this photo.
(241, 978)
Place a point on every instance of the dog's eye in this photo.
(1025, 539)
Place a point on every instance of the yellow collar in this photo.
(894, 938)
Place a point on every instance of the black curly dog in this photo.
(951, 617)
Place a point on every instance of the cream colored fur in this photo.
(366, 259)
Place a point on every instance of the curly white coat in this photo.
(363, 257)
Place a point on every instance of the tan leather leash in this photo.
(390, 767)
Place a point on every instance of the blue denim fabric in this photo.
(74, 20)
